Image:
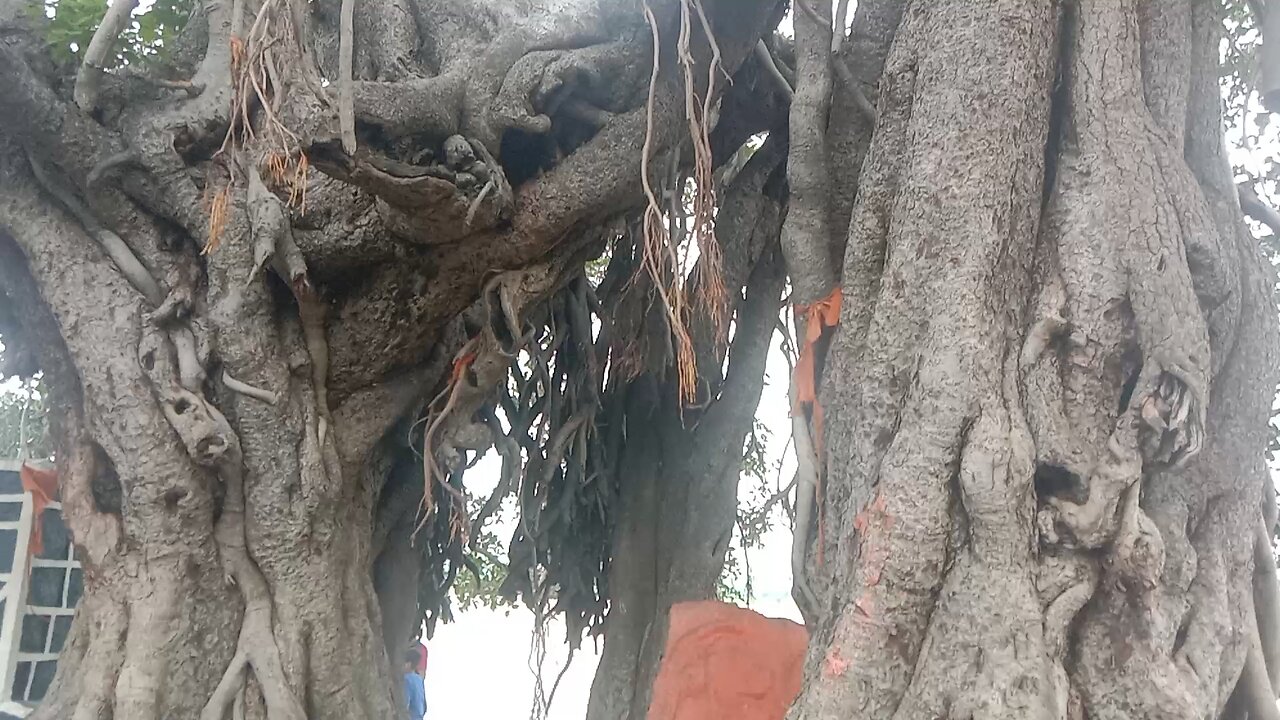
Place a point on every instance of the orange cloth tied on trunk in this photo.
(724, 662)
(818, 316)
(43, 486)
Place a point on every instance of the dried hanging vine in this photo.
(665, 261)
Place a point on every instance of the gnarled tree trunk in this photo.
(1048, 394)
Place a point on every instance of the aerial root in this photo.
(126, 157)
(120, 253)
(248, 390)
(229, 687)
(346, 87)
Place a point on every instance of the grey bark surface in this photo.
(1049, 392)
(1047, 397)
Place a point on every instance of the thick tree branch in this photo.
(806, 237)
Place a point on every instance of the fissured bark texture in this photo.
(1048, 396)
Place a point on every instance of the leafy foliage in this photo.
(24, 422)
(70, 25)
(480, 584)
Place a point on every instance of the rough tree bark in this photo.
(248, 271)
(1048, 394)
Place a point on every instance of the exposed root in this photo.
(475, 204)
(248, 390)
(273, 242)
(230, 687)
(191, 372)
(211, 442)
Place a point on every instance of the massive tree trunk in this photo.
(1048, 394)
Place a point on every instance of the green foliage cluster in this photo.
(69, 26)
(24, 422)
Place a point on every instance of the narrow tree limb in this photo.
(1254, 207)
(766, 60)
(89, 77)
(346, 91)
(806, 237)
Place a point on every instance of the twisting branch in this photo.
(89, 77)
(115, 248)
(765, 57)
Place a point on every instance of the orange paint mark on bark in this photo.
(834, 665)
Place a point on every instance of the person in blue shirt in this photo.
(415, 694)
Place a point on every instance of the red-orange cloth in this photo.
(818, 316)
(43, 486)
(724, 662)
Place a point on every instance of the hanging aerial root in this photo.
(248, 390)
(660, 259)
